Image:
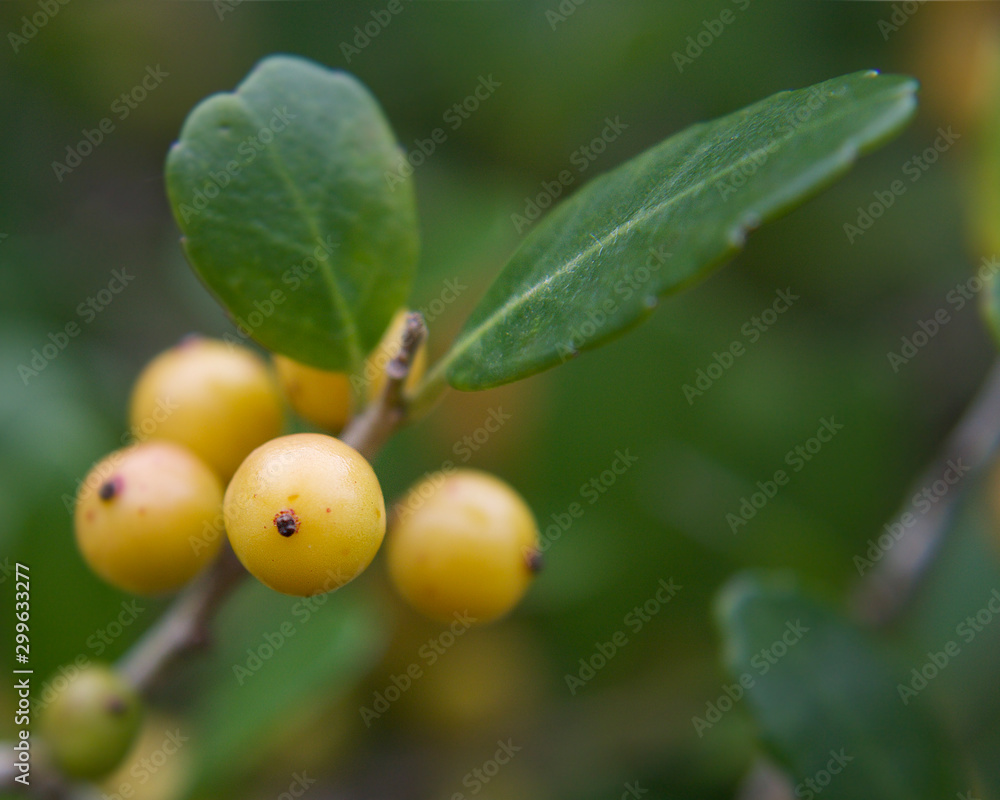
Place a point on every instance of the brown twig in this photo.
(184, 625)
(370, 430)
(884, 592)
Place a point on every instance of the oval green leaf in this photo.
(822, 695)
(597, 265)
(280, 189)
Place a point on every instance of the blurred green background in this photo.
(298, 717)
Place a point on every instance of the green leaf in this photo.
(658, 223)
(282, 191)
(824, 691)
(273, 659)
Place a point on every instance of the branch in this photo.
(883, 594)
(371, 429)
(184, 625)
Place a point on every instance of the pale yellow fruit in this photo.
(305, 514)
(147, 517)
(463, 544)
(318, 396)
(218, 399)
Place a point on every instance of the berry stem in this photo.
(371, 429)
(884, 592)
(184, 625)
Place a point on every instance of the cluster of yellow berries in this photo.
(303, 512)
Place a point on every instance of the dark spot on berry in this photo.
(286, 522)
(188, 340)
(111, 488)
(116, 706)
(292, 498)
(534, 560)
(328, 511)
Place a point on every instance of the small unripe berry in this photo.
(305, 514)
(218, 399)
(147, 517)
(318, 396)
(91, 724)
(463, 543)
(386, 350)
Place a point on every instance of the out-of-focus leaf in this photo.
(826, 703)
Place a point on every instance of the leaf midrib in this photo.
(335, 290)
(465, 342)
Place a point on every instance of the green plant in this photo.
(311, 246)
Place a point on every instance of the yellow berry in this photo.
(318, 396)
(387, 350)
(218, 399)
(305, 514)
(91, 723)
(147, 517)
(463, 543)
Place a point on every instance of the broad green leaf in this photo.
(273, 659)
(822, 695)
(658, 223)
(293, 214)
